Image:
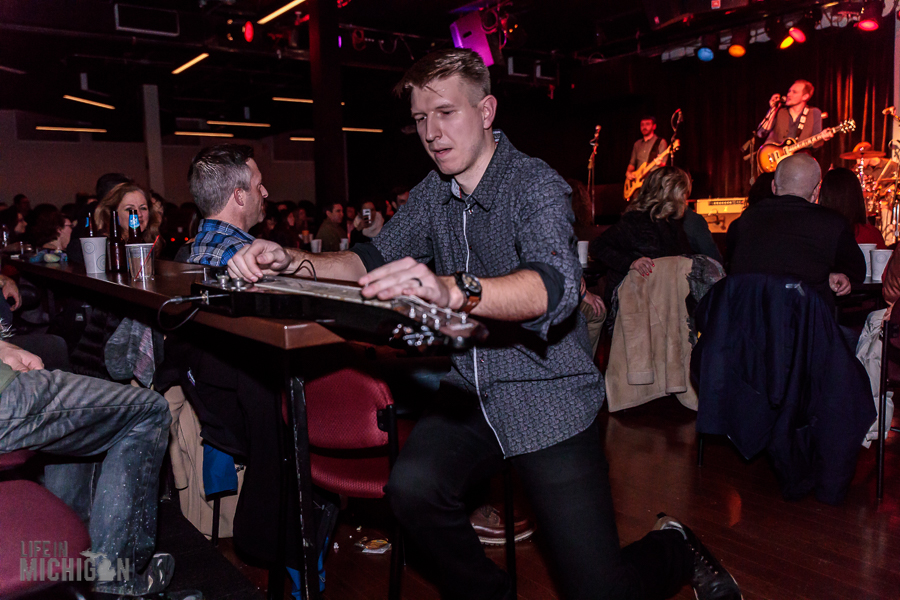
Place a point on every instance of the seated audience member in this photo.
(230, 206)
(842, 193)
(699, 237)
(52, 231)
(761, 188)
(331, 231)
(63, 414)
(285, 233)
(39, 212)
(105, 184)
(123, 198)
(22, 204)
(15, 224)
(651, 227)
(788, 234)
(366, 225)
(236, 394)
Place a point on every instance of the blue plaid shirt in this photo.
(216, 243)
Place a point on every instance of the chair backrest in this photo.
(342, 410)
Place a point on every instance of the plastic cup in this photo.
(583, 253)
(880, 260)
(345, 244)
(315, 246)
(866, 249)
(94, 251)
(140, 261)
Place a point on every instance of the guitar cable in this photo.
(181, 300)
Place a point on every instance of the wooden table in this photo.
(288, 336)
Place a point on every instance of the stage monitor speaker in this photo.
(467, 32)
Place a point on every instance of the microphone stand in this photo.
(676, 120)
(593, 143)
(750, 145)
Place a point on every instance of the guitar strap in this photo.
(654, 151)
(802, 121)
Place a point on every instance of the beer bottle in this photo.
(89, 226)
(116, 261)
(134, 227)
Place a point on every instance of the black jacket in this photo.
(774, 373)
(786, 235)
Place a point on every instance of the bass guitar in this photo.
(642, 171)
(769, 155)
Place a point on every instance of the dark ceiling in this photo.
(49, 48)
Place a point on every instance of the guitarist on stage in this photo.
(645, 149)
(791, 116)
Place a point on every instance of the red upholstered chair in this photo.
(354, 440)
(29, 512)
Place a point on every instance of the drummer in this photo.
(874, 164)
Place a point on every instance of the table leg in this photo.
(309, 576)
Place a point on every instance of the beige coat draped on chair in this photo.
(650, 355)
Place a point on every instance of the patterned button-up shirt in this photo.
(216, 243)
(536, 382)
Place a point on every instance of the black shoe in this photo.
(710, 579)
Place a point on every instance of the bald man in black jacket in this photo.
(788, 234)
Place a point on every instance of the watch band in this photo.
(473, 296)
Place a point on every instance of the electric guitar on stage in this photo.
(631, 187)
(769, 155)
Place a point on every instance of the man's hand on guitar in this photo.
(827, 134)
(253, 261)
(408, 277)
(629, 176)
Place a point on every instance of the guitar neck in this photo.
(808, 141)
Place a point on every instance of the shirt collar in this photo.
(225, 228)
(487, 187)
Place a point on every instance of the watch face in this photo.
(472, 283)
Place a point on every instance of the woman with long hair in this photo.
(119, 201)
(842, 193)
(651, 227)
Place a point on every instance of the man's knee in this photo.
(413, 489)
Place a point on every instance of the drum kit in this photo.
(878, 177)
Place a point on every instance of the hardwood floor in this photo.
(775, 549)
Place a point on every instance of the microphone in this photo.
(888, 111)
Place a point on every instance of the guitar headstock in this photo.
(848, 125)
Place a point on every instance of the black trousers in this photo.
(452, 450)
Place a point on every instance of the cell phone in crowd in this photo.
(367, 214)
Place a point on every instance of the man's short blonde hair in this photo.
(446, 63)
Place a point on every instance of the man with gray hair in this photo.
(789, 234)
(227, 186)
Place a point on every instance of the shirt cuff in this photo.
(369, 255)
(553, 280)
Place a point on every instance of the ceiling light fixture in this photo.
(190, 63)
(709, 43)
(300, 100)
(91, 102)
(204, 134)
(870, 16)
(75, 129)
(303, 139)
(739, 41)
(778, 33)
(238, 124)
(362, 130)
(280, 11)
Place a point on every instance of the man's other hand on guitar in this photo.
(827, 134)
(258, 258)
(629, 176)
(408, 277)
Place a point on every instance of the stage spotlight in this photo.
(739, 41)
(870, 16)
(778, 33)
(797, 34)
(709, 43)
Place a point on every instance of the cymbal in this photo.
(861, 155)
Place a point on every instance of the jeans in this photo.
(72, 415)
(450, 451)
